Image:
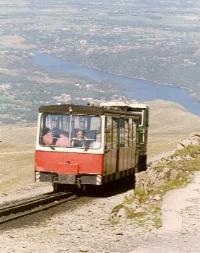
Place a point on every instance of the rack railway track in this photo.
(12, 211)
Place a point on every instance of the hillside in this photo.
(169, 123)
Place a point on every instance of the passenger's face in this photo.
(80, 135)
(49, 134)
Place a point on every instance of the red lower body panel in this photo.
(69, 163)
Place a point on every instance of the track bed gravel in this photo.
(83, 226)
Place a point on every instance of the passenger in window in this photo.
(56, 133)
(47, 138)
(63, 140)
(79, 140)
(97, 143)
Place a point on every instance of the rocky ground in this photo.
(181, 227)
(83, 226)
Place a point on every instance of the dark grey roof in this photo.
(83, 109)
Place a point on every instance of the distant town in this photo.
(153, 40)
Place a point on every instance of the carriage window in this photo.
(122, 132)
(130, 139)
(109, 136)
(80, 131)
(115, 132)
(134, 132)
(126, 144)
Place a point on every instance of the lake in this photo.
(141, 90)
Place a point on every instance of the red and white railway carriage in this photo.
(85, 145)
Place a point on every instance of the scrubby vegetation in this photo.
(143, 204)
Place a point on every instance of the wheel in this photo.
(58, 187)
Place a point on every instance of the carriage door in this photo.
(111, 148)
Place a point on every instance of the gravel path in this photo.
(83, 226)
(181, 222)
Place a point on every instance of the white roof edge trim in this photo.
(120, 103)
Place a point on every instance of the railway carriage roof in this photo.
(122, 104)
(83, 109)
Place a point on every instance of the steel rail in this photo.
(25, 207)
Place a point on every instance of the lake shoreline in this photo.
(134, 88)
